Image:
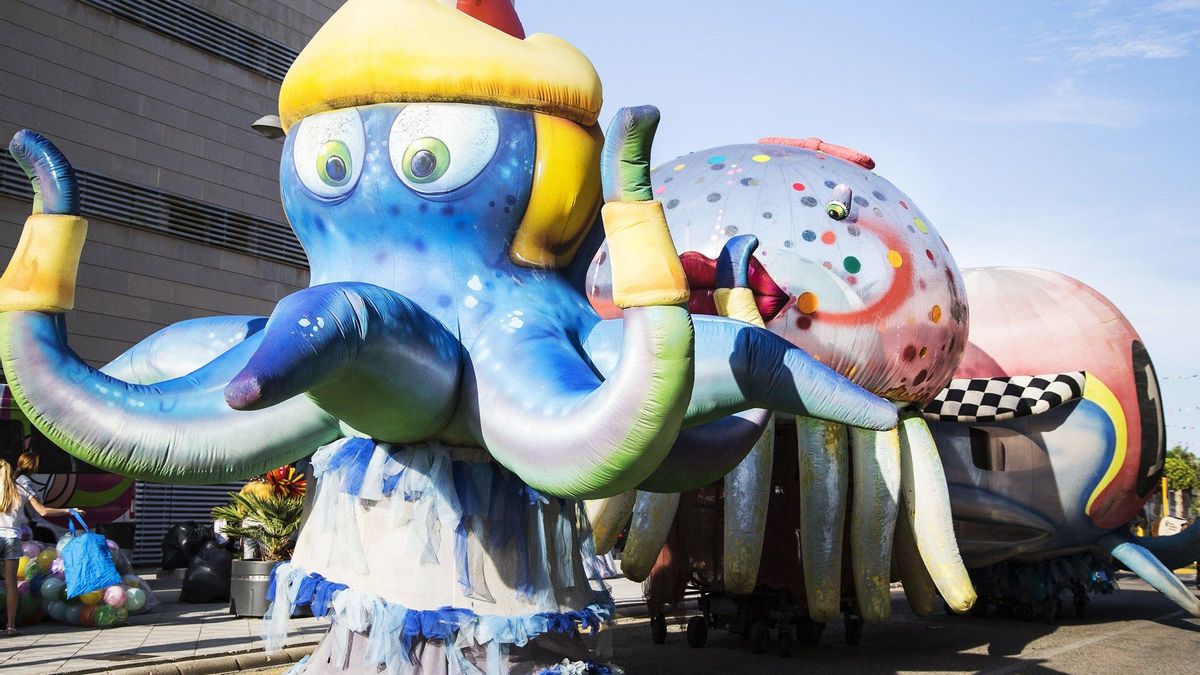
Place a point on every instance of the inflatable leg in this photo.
(747, 492)
(608, 517)
(876, 463)
(653, 514)
(824, 482)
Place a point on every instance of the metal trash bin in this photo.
(248, 587)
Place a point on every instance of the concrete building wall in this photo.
(126, 102)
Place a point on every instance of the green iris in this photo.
(425, 160)
(334, 165)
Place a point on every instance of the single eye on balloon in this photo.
(328, 152)
(439, 147)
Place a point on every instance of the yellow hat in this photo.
(381, 51)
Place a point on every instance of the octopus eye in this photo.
(439, 147)
(327, 152)
(425, 160)
(334, 164)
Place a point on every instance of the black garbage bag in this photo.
(182, 542)
(208, 574)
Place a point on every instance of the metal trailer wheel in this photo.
(760, 637)
(854, 627)
(697, 632)
(658, 628)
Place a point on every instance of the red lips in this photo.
(701, 272)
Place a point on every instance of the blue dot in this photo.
(716, 159)
(809, 235)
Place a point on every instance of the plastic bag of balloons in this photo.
(208, 575)
(181, 543)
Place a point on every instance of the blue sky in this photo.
(1061, 135)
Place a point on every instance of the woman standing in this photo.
(12, 501)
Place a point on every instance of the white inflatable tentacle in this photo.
(653, 514)
(608, 517)
(876, 465)
(747, 493)
(927, 512)
(919, 589)
(824, 455)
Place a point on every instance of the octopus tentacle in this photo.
(367, 355)
(739, 366)
(142, 430)
(927, 513)
(824, 455)
(653, 514)
(876, 467)
(181, 348)
(135, 430)
(1143, 563)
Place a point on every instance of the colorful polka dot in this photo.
(827, 265)
(921, 225)
(852, 264)
(761, 158)
(803, 323)
(807, 302)
(828, 237)
(935, 314)
(903, 204)
(929, 254)
(809, 235)
(716, 159)
(661, 189)
(852, 280)
(680, 167)
(924, 352)
(895, 259)
(798, 187)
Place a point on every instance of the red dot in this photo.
(852, 280)
(798, 187)
(903, 204)
(929, 254)
(803, 323)
(829, 237)
(827, 265)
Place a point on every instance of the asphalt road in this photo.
(1134, 630)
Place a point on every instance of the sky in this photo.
(1060, 135)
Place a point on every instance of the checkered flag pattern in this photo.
(1001, 398)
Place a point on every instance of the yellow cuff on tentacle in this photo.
(738, 303)
(41, 275)
(645, 266)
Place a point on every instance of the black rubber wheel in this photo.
(810, 631)
(697, 632)
(658, 628)
(1050, 611)
(854, 627)
(785, 644)
(760, 637)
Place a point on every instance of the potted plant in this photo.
(265, 515)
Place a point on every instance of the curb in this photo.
(209, 665)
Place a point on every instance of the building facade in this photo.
(152, 101)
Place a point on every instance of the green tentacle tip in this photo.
(625, 164)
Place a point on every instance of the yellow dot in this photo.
(807, 302)
(935, 314)
(761, 158)
(921, 225)
(679, 167)
(895, 258)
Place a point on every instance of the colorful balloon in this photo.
(53, 588)
(57, 609)
(122, 615)
(32, 569)
(92, 598)
(115, 596)
(104, 616)
(31, 549)
(46, 557)
(74, 614)
(87, 616)
(22, 563)
(57, 567)
(23, 588)
(135, 599)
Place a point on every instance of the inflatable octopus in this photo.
(443, 172)
(802, 237)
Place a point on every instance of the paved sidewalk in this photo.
(179, 633)
(172, 632)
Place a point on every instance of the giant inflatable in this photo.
(844, 265)
(1052, 438)
(443, 172)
